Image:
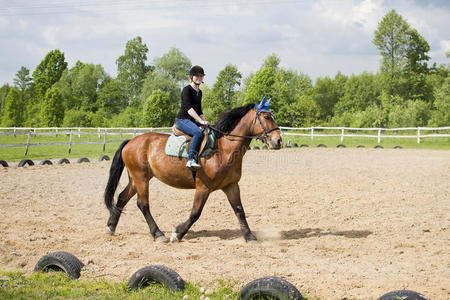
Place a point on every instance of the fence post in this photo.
(312, 133)
(14, 131)
(418, 135)
(120, 130)
(104, 140)
(56, 134)
(134, 134)
(70, 141)
(379, 135)
(342, 134)
(28, 142)
(98, 132)
(79, 134)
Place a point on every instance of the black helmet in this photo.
(196, 70)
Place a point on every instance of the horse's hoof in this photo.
(252, 242)
(174, 238)
(109, 231)
(161, 239)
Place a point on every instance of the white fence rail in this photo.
(379, 133)
(312, 132)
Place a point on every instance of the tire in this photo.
(360, 146)
(82, 160)
(60, 261)
(398, 147)
(63, 161)
(255, 148)
(157, 273)
(287, 146)
(25, 162)
(265, 147)
(322, 146)
(294, 145)
(341, 146)
(269, 286)
(4, 163)
(404, 295)
(379, 147)
(104, 157)
(45, 162)
(304, 146)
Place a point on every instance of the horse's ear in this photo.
(261, 104)
(268, 103)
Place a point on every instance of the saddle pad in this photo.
(176, 146)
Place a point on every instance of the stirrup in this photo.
(192, 164)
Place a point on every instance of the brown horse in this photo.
(144, 158)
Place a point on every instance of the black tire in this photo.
(304, 146)
(322, 146)
(264, 147)
(25, 162)
(398, 147)
(4, 163)
(379, 147)
(157, 273)
(60, 261)
(255, 148)
(63, 161)
(287, 146)
(45, 162)
(269, 286)
(294, 145)
(341, 146)
(360, 146)
(82, 160)
(104, 157)
(403, 295)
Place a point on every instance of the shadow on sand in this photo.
(295, 234)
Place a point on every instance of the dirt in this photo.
(354, 223)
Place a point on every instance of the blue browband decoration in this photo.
(263, 105)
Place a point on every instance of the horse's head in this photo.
(264, 125)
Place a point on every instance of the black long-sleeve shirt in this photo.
(190, 98)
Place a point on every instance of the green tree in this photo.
(4, 90)
(391, 38)
(48, 72)
(111, 98)
(23, 80)
(157, 110)
(13, 110)
(222, 95)
(175, 65)
(327, 93)
(132, 69)
(440, 116)
(263, 81)
(52, 111)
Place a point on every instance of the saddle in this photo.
(178, 143)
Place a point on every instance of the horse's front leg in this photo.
(234, 197)
(201, 195)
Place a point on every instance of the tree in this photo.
(4, 90)
(132, 69)
(391, 38)
(23, 81)
(13, 110)
(48, 72)
(222, 95)
(175, 65)
(327, 92)
(52, 111)
(157, 110)
(441, 115)
(111, 98)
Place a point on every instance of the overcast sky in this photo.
(318, 38)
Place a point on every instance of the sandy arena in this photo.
(336, 223)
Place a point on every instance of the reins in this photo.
(258, 137)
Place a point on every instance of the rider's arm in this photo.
(194, 114)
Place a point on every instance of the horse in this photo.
(144, 158)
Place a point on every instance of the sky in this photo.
(316, 38)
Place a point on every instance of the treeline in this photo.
(405, 91)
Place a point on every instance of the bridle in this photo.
(260, 137)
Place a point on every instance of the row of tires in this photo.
(62, 161)
(295, 145)
(274, 287)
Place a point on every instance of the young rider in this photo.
(190, 115)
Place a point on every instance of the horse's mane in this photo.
(229, 119)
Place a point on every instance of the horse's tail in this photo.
(115, 172)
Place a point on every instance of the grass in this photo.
(96, 150)
(58, 285)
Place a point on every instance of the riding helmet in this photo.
(196, 70)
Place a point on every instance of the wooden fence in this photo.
(119, 133)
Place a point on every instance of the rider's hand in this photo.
(204, 122)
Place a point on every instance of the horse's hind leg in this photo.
(201, 195)
(143, 204)
(122, 200)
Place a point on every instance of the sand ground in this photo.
(336, 223)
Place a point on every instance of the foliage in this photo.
(174, 64)
(157, 111)
(23, 81)
(440, 116)
(132, 68)
(12, 113)
(48, 72)
(52, 111)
